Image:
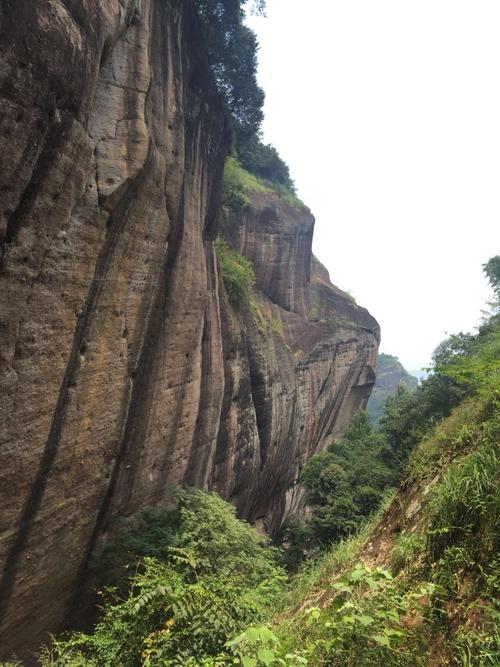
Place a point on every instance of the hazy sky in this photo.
(388, 113)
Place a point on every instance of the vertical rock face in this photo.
(296, 373)
(114, 140)
(123, 367)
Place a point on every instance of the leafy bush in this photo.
(148, 533)
(236, 183)
(264, 161)
(237, 273)
(360, 625)
(221, 577)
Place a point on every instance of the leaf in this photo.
(357, 574)
(267, 635)
(365, 620)
(251, 635)
(383, 640)
(266, 656)
(248, 662)
(342, 588)
(312, 615)
(390, 632)
(234, 642)
(350, 620)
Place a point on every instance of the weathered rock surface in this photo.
(296, 375)
(123, 368)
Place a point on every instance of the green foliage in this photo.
(463, 365)
(186, 605)
(264, 161)
(465, 507)
(232, 50)
(237, 273)
(259, 646)
(361, 624)
(410, 415)
(479, 647)
(344, 485)
(475, 367)
(238, 181)
(148, 533)
(319, 569)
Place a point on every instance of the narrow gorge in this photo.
(125, 368)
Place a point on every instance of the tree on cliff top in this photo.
(232, 50)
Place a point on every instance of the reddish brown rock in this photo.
(123, 368)
(296, 374)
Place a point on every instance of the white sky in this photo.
(388, 114)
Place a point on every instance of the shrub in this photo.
(237, 181)
(148, 533)
(237, 273)
(465, 506)
(185, 605)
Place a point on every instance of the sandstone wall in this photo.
(123, 368)
(294, 376)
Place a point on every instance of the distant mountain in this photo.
(420, 373)
(390, 374)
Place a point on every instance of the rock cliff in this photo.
(124, 368)
(390, 375)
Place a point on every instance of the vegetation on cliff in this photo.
(238, 183)
(237, 273)
(232, 49)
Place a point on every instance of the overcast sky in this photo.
(388, 113)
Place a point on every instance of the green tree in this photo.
(343, 486)
(264, 160)
(185, 604)
(492, 271)
(232, 50)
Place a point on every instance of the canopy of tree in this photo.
(232, 49)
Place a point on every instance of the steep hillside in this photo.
(419, 586)
(390, 375)
(124, 366)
